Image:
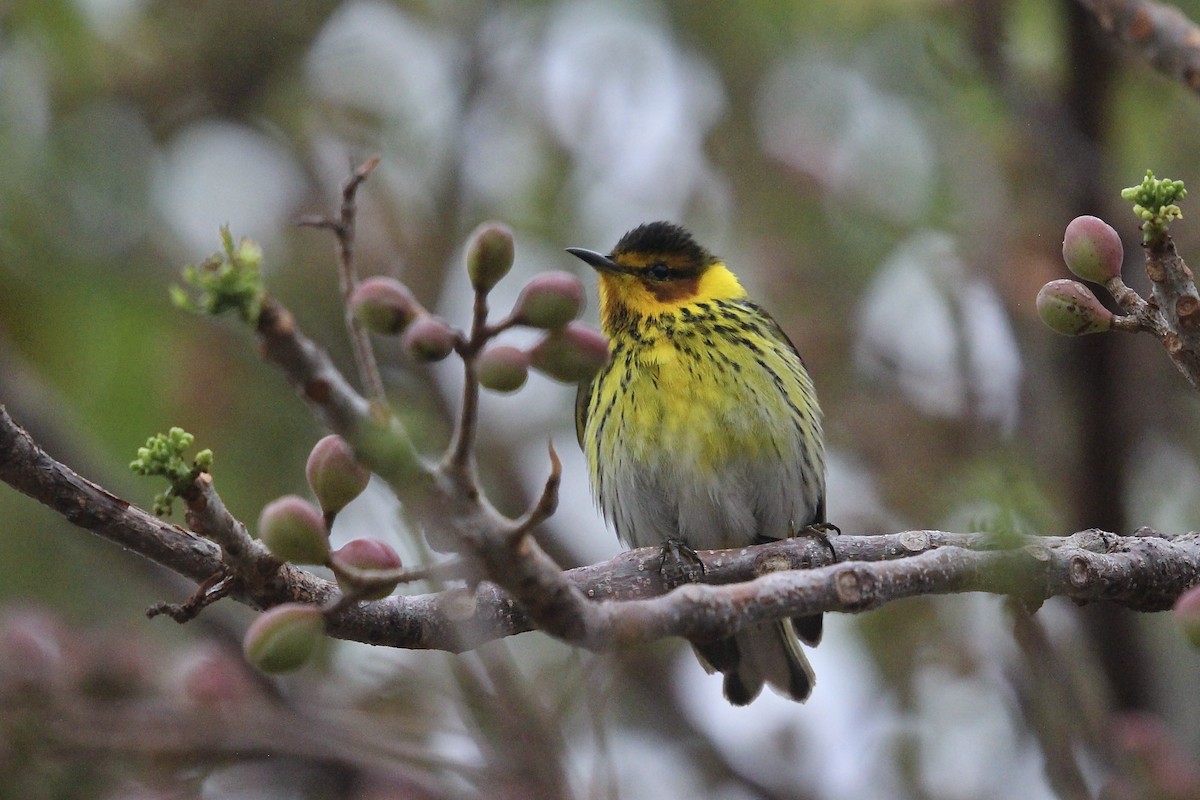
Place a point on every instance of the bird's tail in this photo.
(769, 653)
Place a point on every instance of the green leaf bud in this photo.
(1068, 307)
(366, 556)
(248, 254)
(1092, 249)
(335, 476)
(571, 354)
(1187, 614)
(490, 254)
(384, 305)
(293, 530)
(162, 455)
(550, 300)
(1155, 203)
(284, 638)
(227, 281)
(428, 338)
(503, 368)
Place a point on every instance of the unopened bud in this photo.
(248, 254)
(366, 556)
(571, 354)
(1068, 307)
(1187, 614)
(550, 300)
(293, 530)
(335, 477)
(1092, 249)
(212, 676)
(284, 638)
(384, 305)
(503, 368)
(490, 254)
(429, 338)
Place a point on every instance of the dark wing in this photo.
(583, 398)
(777, 331)
(808, 629)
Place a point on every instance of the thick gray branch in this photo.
(1144, 572)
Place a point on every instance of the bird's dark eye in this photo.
(659, 271)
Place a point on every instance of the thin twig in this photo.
(344, 230)
(462, 447)
(210, 590)
(546, 503)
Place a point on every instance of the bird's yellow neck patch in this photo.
(624, 298)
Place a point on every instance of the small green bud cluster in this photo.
(552, 301)
(1155, 202)
(230, 280)
(162, 456)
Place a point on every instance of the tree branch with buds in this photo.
(501, 582)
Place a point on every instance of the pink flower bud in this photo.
(502, 368)
(366, 556)
(550, 300)
(571, 354)
(1092, 249)
(284, 638)
(429, 338)
(490, 254)
(335, 477)
(1068, 307)
(210, 677)
(293, 530)
(384, 305)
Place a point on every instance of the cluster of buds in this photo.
(295, 530)
(1093, 251)
(552, 302)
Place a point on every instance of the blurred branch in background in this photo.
(1161, 34)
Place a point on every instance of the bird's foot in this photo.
(679, 563)
(821, 531)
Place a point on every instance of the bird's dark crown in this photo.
(662, 238)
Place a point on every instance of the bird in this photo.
(703, 432)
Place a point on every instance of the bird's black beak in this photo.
(595, 260)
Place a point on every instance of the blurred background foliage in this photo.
(891, 179)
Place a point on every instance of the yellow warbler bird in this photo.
(703, 431)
